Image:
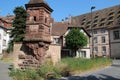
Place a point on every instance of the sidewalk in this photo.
(4, 71)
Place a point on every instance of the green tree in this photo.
(75, 39)
(19, 25)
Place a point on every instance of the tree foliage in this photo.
(19, 24)
(76, 39)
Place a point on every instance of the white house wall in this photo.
(87, 53)
(1, 39)
(86, 48)
(4, 36)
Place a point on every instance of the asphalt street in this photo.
(4, 69)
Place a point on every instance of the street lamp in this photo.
(92, 38)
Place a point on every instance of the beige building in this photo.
(115, 42)
(99, 23)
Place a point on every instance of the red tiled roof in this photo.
(59, 28)
(7, 21)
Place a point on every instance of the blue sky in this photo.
(62, 8)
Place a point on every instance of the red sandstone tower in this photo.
(37, 37)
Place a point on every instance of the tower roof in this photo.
(36, 1)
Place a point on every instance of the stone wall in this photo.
(23, 60)
(54, 52)
(17, 51)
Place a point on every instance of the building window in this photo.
(56, 41)
(95, 40)
(104, 50)
(2, 23)
(45, 19)
(4, 33)
(95, 49)
(103, 30)
(94, 32)
(4, 42)
(116, 34)
(83, 54)
(103, 39)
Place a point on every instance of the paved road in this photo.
(108, 73)
(4, 71)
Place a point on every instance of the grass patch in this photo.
(67, 67)
(78, 65)
(7, 59)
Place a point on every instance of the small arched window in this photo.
(45, 19)
(35, 19)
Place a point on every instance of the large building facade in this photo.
(98, 26)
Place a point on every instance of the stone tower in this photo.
(37, 37)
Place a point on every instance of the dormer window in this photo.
(88, 22)
(103, 19)
(110, 23)
(96, 17)
(95, 21)
(82, 23)
(111, 13)
(118, 16)
(94, 25)
(102, 24)
(110, 18)
(118, 12)
(84, 19)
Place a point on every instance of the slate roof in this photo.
(38, 3)
(105, 18)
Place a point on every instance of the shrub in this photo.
(48, 71)
(32, 74)
(17, 74)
